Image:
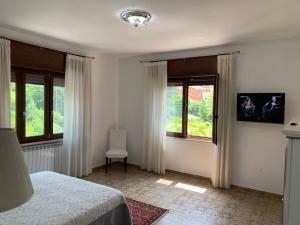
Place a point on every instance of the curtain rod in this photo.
(70, 53)
(227, 53)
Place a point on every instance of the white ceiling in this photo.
(176, 24)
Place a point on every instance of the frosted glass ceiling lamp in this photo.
(136, 17)
(15, 183)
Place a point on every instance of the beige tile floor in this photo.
(192, 201)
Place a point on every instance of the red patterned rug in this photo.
(144, 214)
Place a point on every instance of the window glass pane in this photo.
(13, 104)
(174, 109)
(58, 105)
(200, 110)
(34, 106)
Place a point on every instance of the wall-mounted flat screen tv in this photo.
(261, 107)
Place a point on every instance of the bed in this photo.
(64, 200)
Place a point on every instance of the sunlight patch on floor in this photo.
(164, 181)
(191, 188)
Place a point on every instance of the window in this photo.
(58, 105)
(34, 105)
(37, 104)
(191, 107)
(200, 110)
(174, 112)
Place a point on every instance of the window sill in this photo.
(197, 139)
(41, 142)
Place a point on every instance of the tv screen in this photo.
(261, 107)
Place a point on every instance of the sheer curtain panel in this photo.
(77, 152)
(155, 100)
(222, 152)
(5, 83)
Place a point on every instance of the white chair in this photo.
(117, 147)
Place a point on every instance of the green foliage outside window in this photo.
(34, 108)
(200, 117)
(200, 112)
(58, 109)
(174, 109)
(34, 124)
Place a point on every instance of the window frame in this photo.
(177, 82)
(20, 80)
(52, 77)
(186, 82)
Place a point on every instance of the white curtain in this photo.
(4, 83)
(77, 152)
(155, 100)
(222, 152)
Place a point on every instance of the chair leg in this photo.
(110, 163)
(125, 162)
(106, 164)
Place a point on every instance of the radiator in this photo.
(43, 157)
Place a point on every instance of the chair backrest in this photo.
(117, 139)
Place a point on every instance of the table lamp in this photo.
(15, 183)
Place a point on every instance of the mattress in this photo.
(64, 200)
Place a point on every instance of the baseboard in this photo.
(134, 165)
(103, 166)
(189, 175)
(98, 168)
(231, 186)
(240, 188)
(273, 195)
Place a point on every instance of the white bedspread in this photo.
(63, 200)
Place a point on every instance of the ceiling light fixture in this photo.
(136, 17)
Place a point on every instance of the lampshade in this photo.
(15, 183)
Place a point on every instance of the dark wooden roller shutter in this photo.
(34, 57)
(191, 67)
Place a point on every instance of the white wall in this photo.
(258, 157)
(104, 104)
(258, 148)
(192, 157)
(189, 156)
